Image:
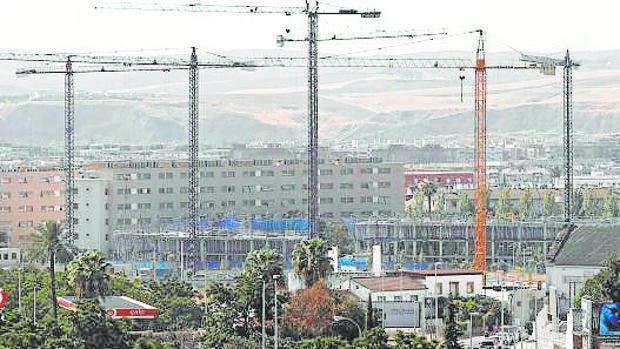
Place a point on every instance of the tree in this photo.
(93, 329)
(413, 341)
(611, 281)
(464, 204)
(452, 331)
(89, 274)
(322, 343)
(610, 206)
(429, 189)
(47, 243)
(504, 207)
(310, 311)
(588, 205)
(374, 338)
(525, 203)
(548, 203)
(370, 314)
(310, 260)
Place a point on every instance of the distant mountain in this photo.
(270, 104)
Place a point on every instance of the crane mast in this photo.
(480, 166)
(313, 119)
(567, 89)
(69, 165)
(547, 66)
(193, 144)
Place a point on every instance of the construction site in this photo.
(476, 240)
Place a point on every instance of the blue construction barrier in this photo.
(349, 261)
(229, 223)
(279, 224)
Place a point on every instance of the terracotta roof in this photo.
(431, 272)
(391, 283)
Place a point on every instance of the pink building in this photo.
(28, 197)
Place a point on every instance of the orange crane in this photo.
(480, 160)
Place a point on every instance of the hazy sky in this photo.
(546, 26)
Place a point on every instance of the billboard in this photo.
(400, 314)
(610, 316)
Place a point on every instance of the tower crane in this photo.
(104, 64)
(311, 10)
(547, 67)
(337, 61)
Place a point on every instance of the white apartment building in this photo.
(145, 196)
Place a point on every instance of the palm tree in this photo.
(429, 189)
(46, 245)
(89, 273)
(310, 260)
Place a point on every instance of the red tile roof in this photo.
(391, 283)
(441, 272)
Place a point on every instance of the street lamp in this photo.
(436, 301)
(275, 310)
(471, 329)
(341, 318)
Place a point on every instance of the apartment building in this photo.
(144, 196)
(28, 196)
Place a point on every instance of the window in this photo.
(228, 189)
(184, 204)
(327, 215)
(381, 298)
(326, 185)
(183, 190)
(454, 288)
(385, 185)
(413, 298)
(438, 288)
(267, 173)
(470, 287)
(206, 174)
(25, 209)
(228, 203)
(326, 172)
(366, 170)
(366, 200)
(346, 200)
(346, 185)
(287, 202)
(324, 201)
(183, 175)
(287, 187)
(287, 173)
(5, 180)
(346, 171)
(5, 209)
(385, 170)
(165, 175)
(398, 298)
(6, 196)
(228, 174)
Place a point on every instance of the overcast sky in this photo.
(544, 26)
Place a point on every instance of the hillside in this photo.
(270, 104)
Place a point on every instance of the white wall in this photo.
(561, 277)
(462, 280)
(91, 228)
(362, 293)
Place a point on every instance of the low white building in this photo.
(446, 282)
(577, 254)
(397, 301)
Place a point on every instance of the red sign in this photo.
(3, 298)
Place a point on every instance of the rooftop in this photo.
(391, 283)
(589, 245)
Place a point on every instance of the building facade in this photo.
(147, 196)
(28, 196)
